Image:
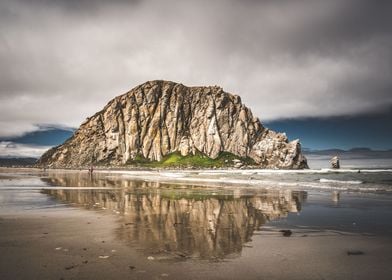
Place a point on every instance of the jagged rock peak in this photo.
(157, 118)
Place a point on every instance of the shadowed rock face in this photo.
(172, 222)
(161, 117)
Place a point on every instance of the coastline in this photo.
(62, 224)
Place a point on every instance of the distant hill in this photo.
(324, 152)
(9, 162)
(45, 136)
(361, 152)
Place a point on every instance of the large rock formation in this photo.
(161, 117)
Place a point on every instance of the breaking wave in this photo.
(349, 182)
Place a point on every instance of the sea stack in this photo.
(158, 118)
(335, 163)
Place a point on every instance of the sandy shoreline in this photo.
(69, 244)
(61, 225)
(81, 244)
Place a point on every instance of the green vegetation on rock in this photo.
(199, 160)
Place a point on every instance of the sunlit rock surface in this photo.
(161, 117)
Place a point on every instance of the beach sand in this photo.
(108, 228)
(80, 244)
(70, 244)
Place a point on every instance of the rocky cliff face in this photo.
(161, 117)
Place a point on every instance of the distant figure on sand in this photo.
(335, 196)
(91, 169)
(335, 164)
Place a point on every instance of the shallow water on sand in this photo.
(175, 216)
(197, 213)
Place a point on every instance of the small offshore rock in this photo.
(335, 162)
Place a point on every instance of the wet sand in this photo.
(70, 244)
(76, 244)
(142, 230)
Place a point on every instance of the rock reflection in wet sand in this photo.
(184, 221)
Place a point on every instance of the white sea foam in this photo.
(174, 175)
(351, 188)
(350, 182)
(53, 188)
(233, 172)
(242, 181)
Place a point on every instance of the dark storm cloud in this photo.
(61, 61)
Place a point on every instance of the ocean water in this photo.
(345, 179)
(349, 162)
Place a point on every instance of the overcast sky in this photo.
(61, 61)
